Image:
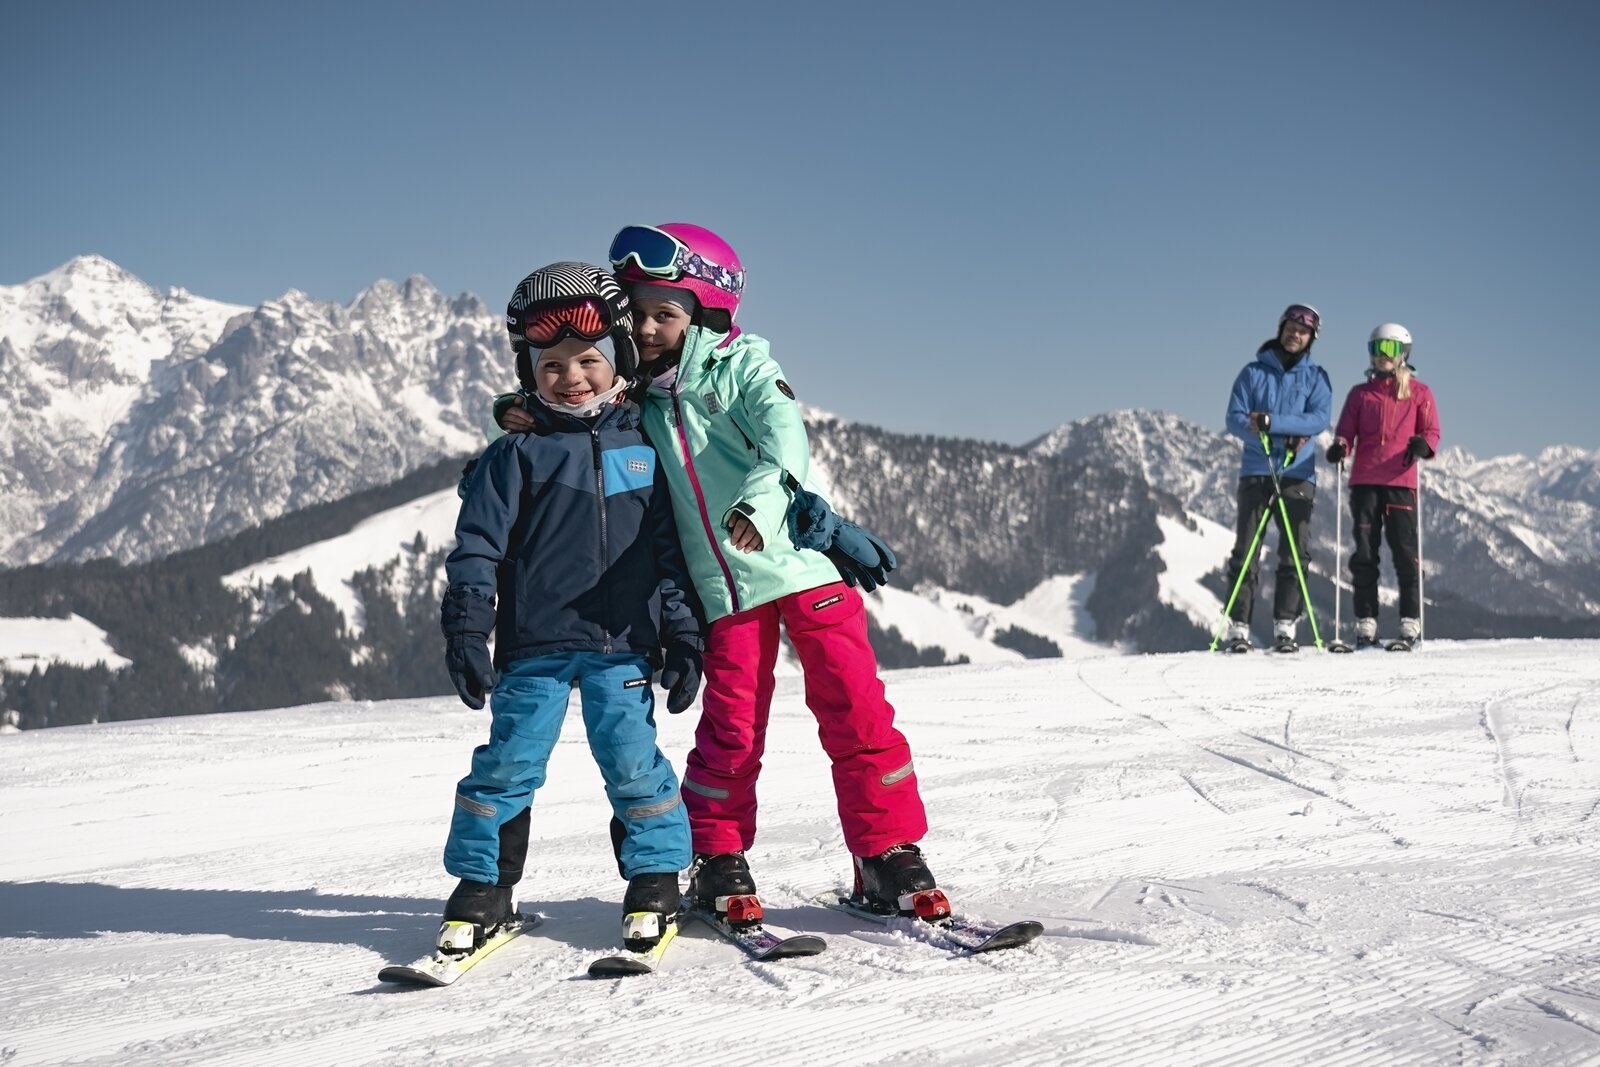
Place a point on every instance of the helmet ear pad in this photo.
(717, 320)
(523, 352)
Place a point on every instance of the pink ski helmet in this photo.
(680, 255)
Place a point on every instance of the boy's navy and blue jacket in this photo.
(1300, 402)
(567, 532)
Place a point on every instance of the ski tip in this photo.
(619, 967)
(796, 946)
(1014, 935)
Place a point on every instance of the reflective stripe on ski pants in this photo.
(528, 707)
(873, 778)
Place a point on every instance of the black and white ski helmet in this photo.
(572, 299)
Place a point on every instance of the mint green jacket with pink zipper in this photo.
(726, 429)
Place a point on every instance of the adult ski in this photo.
(965, 937)
(446, 968)
(757, 941)
(627, 964)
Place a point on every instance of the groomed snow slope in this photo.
(1315, 859)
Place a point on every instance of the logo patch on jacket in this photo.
(713, 405)
(635, 683)
(638, 466)
(828, 603)
(783, 387)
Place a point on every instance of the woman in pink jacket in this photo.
(1389, 422)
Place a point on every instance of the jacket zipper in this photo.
(700, 500)
(605, 551)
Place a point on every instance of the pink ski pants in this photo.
(873, 780)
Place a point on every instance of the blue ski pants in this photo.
(527, 710)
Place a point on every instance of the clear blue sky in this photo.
(971, 219)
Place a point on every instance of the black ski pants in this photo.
(1256, 495)
(1377, 512)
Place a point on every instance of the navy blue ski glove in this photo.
(681, 668)
(861, 558)
(467, 620)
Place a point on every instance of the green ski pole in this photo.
(1227, 612)
(1288, 533)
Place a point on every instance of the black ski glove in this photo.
(682, 665)
(466, 620)
(1337, 451)
(1418, 448)
(1260, 422)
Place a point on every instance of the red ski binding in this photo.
(743, 911)
(931, 905)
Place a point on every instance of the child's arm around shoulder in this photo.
(770, 413)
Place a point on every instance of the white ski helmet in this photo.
(1394, 333)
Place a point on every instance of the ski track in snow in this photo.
(1368, 859)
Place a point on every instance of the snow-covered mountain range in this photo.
(139, 425)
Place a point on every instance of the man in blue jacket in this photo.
(1287, 397)
(567, 551)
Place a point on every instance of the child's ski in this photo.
(966, 937)
(443, 968)
(757, 941)
(630, 963)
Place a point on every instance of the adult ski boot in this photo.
(1366, 633)
(722, 885)
(1410, 634)
(1283, 636)
(1238, 638)
(898, 882)
(475, 912)
(649, 907)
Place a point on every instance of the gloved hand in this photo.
(466, 620)
(861, 558)
(466, 657)
(1338, 450)
(681, 668)
(1260, 422)
(1418, 448)
(1294, 444)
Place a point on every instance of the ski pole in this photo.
(1288, 535)
(1245, 564)
(1338, 644)
(1338, 541)
(1422, 603)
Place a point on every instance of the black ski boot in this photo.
(475, 912)
(650, 905)
(722, 884)
(898, 882)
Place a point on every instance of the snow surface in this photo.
(1266, 859)
(26, 643)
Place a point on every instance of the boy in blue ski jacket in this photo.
(1283, 394)
(567, 551)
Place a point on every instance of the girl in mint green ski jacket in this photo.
(730, 438)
